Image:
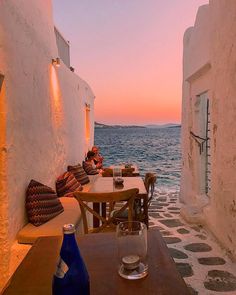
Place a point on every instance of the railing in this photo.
(63, 47)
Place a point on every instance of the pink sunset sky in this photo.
(130, 53)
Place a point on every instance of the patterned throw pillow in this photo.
(79, 173)
(88, 168)
(67, 184)
(42, 203)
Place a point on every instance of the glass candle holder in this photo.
(117, 174)
(132, 249)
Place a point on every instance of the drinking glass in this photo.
(132, 249)
(117, 173)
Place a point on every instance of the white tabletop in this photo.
(105, 184)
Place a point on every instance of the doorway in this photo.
(201, 135)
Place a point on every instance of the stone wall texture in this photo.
(42, 111)
(209, 65)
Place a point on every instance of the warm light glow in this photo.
(87, 122)
(4, 198)
(2, 112)
(56, 101)
(2, 139)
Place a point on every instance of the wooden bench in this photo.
(71, 214)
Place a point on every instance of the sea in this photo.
(151, 149)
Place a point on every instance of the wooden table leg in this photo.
(104, 208)
(96, 207)
(145, 210)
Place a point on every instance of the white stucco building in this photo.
(208, 184)
(46, 112)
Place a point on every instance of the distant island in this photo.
(169, 125)
(105, 126)
(100, 125)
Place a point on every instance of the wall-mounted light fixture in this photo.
(87, 106)
(56, 61)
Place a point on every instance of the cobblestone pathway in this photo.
(204, 266)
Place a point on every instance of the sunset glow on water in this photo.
(154, 150)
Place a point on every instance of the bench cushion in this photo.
(79, 173)
(42, 203)
(71, 214)
(89, 169)
(66, 184)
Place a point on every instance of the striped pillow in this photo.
(79, 173)
(66, 184)
(42, 203)
(88, 168)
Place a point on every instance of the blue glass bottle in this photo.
(71, 277)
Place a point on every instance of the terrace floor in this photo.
(204, 266)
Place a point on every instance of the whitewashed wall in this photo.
(42, 112)
(195, 57)
(210, 65)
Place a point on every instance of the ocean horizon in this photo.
(151, 149)
(161, 125)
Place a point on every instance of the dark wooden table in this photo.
(34, 275)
